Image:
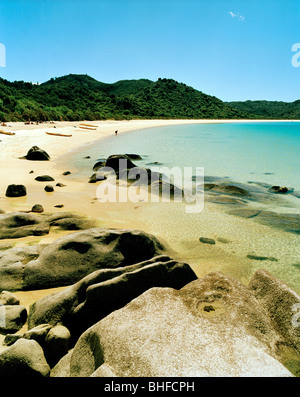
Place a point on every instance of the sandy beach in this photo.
(164, 220)
(236, 238)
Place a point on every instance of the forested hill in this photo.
(269, 109)
(80, 97)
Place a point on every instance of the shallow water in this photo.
(257, 155)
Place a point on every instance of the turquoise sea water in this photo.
(264, 152)
(250, 153)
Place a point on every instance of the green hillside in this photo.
(80, 97)
(269, 109)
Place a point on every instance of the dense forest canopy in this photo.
(81, 97)
(269, 109)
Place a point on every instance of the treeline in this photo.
(269, 109)
(80, 97)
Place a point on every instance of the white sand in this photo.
(168, 223)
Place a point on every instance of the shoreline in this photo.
(79, 197)
(235, 237)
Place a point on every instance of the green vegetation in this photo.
(269, 109)
(80, 97)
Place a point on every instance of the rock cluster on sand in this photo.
(131, 310)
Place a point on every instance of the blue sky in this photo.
(234, 50)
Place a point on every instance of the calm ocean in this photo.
(250, 153)
(264, 152)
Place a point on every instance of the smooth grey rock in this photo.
(8, 298)
(12, 318)
(25, 358)
(207, 240)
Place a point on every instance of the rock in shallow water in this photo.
(12, 318)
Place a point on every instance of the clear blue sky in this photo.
(234, 50)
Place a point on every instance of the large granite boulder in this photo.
(101, 292)
(71, 257)
(25, 358)
(212, 327)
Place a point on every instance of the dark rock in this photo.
(37, 208)
(59, 206)
(49, 188)
(60, 184)
(87, 157)
(155, 163)
(119, 162)
(179, 333)
(103, 291)
(16, 191)
(288, 222)
(134, 156)
(44, 178)
(12, 318)
(37, 154)
(231, 189)
(281, 302)
(67, 173)
(99, 164)
(97, 177)
(31, 172)
(220, 199)
(25, 358)
(262, 258)
(279, 189)
(207, 240)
